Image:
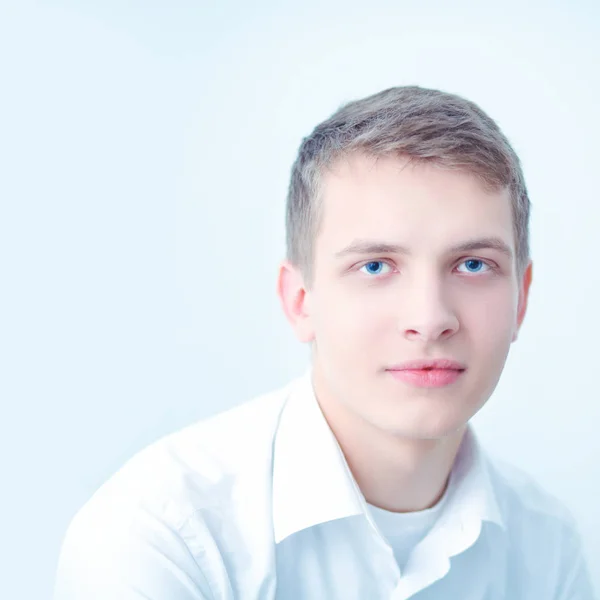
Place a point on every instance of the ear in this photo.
(295, 301)
(523, 298)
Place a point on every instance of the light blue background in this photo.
(145, 150)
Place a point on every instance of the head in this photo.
(407, 238)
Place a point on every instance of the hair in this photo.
(421, 124)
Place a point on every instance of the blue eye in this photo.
(473, 265)
(374, 267)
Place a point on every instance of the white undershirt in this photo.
(404, 531)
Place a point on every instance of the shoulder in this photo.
(545, 538)
(522, 496)
(178, 491)
(542, 528)
(185, 470)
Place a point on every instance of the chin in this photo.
(435, 423)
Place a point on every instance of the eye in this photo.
(474, 265)
(375, 267)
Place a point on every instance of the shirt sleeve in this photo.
(135, 557)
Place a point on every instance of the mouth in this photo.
(429, 364)
(427, 377)
(433, 369)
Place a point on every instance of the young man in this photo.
(408, 272)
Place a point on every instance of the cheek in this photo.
(490, 322)
(350, 323)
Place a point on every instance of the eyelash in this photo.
(492, 267)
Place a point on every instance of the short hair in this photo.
(421, 124)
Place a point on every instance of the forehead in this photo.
(422, 206)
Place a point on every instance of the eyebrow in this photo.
(360, 246)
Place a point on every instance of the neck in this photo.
(395, 473)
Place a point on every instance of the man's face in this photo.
(371, 310)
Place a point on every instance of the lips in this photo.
(428, 372)
(427, 378)
(428, 365)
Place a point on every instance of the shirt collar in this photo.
(312, 483)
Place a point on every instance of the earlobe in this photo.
(295, 301)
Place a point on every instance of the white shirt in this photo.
(259, 503)
(403, 531)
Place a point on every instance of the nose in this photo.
(427, 314)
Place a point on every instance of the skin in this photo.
(366, 312)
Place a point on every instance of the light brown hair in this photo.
(421, 124)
